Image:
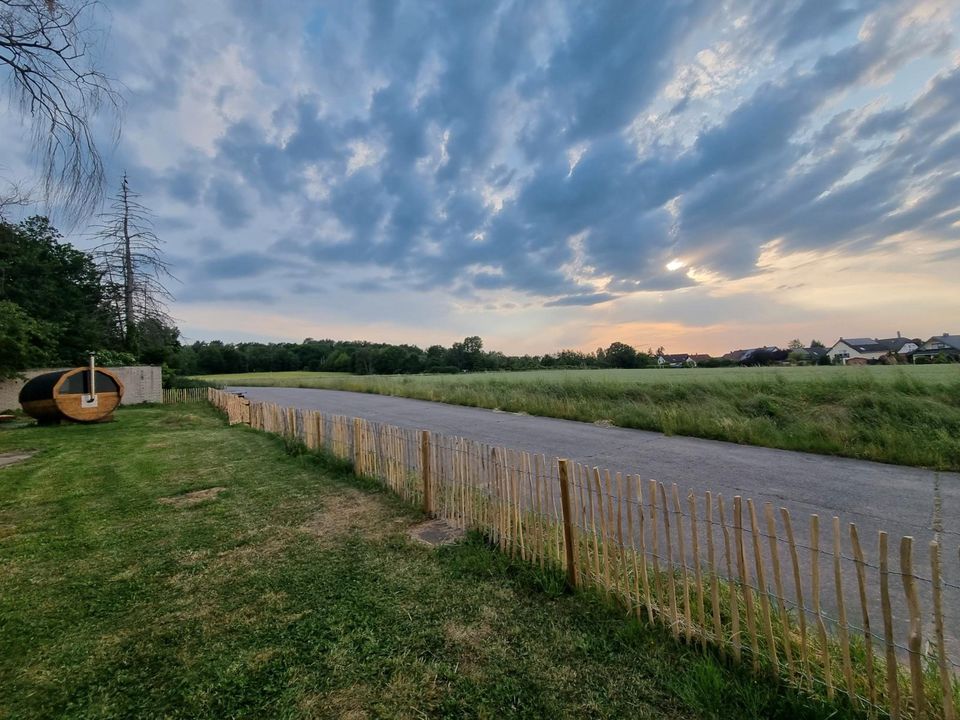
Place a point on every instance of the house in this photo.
(947, 345)
(765, 355)
(846, 349)
(753, 355)
(698, 358)
(899, 345)
(676, 360)
(814, 353)
(867, 349)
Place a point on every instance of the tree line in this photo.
(366, 358)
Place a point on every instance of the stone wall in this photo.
(141, 384)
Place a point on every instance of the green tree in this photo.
(797, 356)
(56, 285)
(24, 341)
(621, 355)
(467, 355)
(159, 342)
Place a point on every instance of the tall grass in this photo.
(898, 417)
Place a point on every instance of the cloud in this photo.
(226, 198)
(533, 154)
(238, 265)
(588, 299)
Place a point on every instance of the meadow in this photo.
(908, 415)
(166, 565)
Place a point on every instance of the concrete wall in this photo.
(141, 384)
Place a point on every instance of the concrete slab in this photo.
(436, 533)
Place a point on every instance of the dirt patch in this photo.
(12, 458)
(435, 533)
(192, 498)
(475, 642)
(346, 703)
(346, 512)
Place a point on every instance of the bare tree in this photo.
(134, 273)
(46, 47)
(13, 195)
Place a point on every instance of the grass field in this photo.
(931, 374)
(908, 415)
(166, 565)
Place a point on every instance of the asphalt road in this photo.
(900, 500)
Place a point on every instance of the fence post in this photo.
(425, 462)
(942, 662)
(357, 453)
(569, 537)
(914, 638)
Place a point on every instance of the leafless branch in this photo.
(133, 270)
(13, 195)
(46, 48)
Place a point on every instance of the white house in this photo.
(900, 345)
(846, 349)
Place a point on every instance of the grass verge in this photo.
(167, 565)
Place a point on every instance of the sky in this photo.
(701, 175)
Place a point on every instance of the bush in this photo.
(172, 381)
(114, 358)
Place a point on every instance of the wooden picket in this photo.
(709, 577)
(173, 396)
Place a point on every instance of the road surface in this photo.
(900, 500)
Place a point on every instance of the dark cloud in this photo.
(237, 265)
(615, 58)
(491, 147)
(226, 198)
(588, 299)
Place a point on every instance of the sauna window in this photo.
(106, 384)
(79, 384)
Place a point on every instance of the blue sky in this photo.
(696, 174)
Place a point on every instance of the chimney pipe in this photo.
(93, 389)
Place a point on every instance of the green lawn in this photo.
(908, 415)
(293, 591)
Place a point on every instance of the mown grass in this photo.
(290, 589)
(901, 415)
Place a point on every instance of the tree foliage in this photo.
(24, 341)
(55, 285)
(52, 308)
(364, 358)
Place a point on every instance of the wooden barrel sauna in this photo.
(84, 394)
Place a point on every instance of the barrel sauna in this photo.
(84, 394)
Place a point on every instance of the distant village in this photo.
(845, 351)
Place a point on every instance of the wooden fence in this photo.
(185, 395)
(822, 608)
